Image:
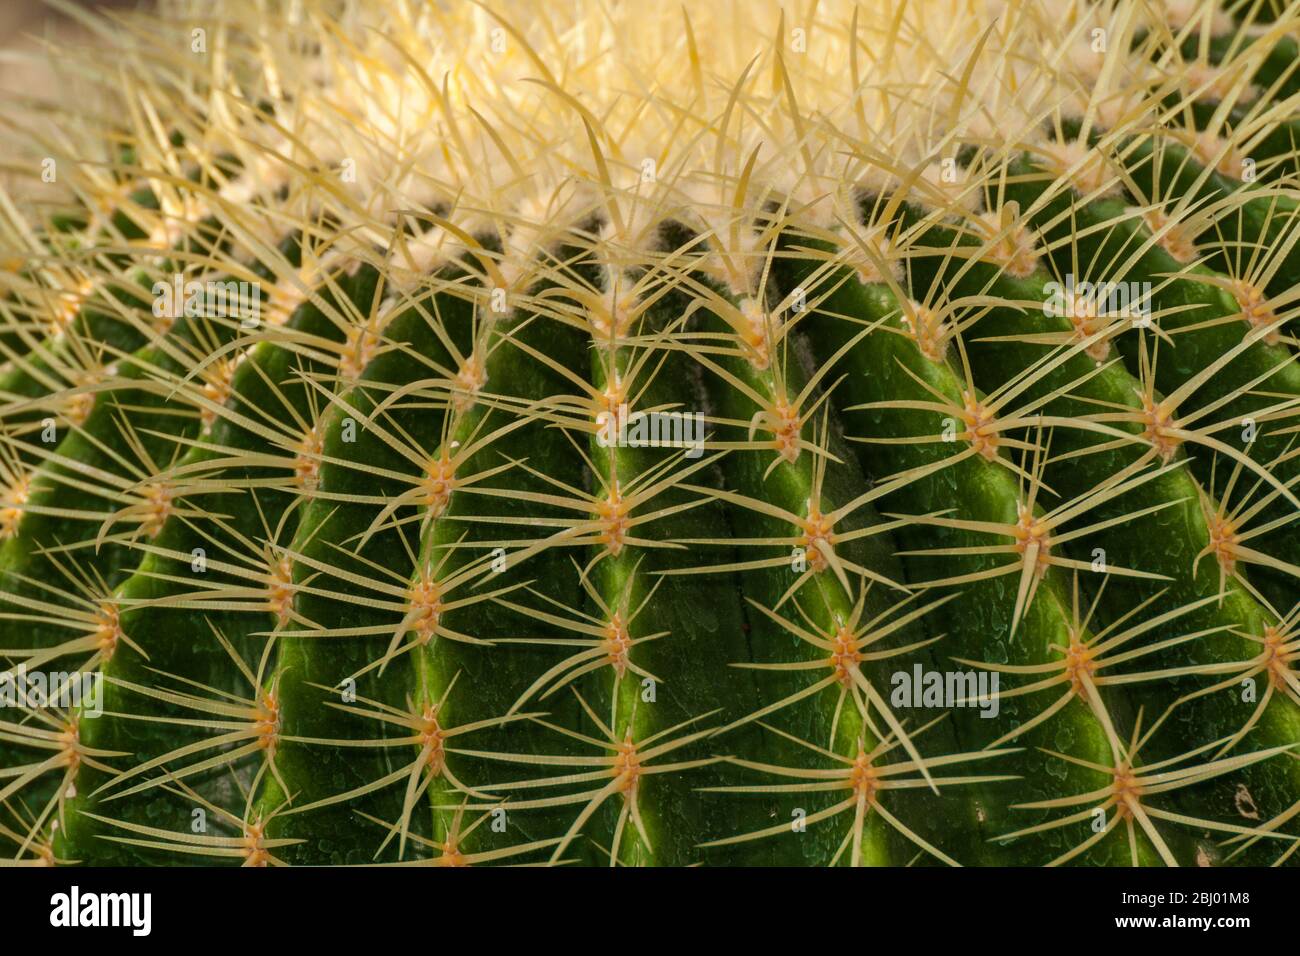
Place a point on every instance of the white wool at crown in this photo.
(634, 58)
(483, 114)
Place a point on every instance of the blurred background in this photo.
(27, 76)
(22, 24)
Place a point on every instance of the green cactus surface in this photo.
(626, 434)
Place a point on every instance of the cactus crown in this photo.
(745, 434)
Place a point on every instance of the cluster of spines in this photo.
(355, 506)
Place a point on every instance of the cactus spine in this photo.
(843, 435)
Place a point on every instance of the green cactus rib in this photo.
(94, 488)
(1219, 363)
(62, 378)
(1172, 508)
(53, 374)
(241, 587)
(108, 318)
(81, 484)
(1243, 231)
(104, 317)
(890, 429)
(670, 439)
(524, 591)
(844, 578)
(484, 434)
(688, 631)
(331, 707)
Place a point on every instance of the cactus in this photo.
(480, 434)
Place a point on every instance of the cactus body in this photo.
(673, 438)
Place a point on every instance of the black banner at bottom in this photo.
(341, 907)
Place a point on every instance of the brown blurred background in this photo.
(26, 76)
(22, 23)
